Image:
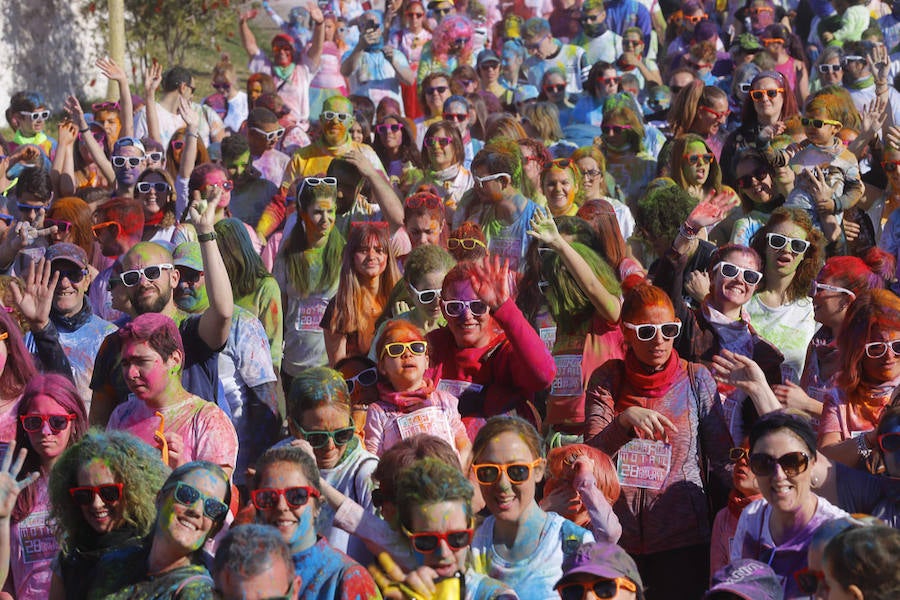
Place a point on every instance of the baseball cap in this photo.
(66, 251)
(129, 141)
(435, 3)
(608, 561)
(525, 93)
(187, 254)
(749, 579)
(486, 56)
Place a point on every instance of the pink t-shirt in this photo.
(438, 415)
(33, 548)
(206, 430)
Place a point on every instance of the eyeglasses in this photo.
(853, 58)
(396, 349)
(738, 454)
(155, 156)
(160, 187)
(319, 439)
(317, 181)
(425, 296)
(879, 349)
(151, 273)
(731, 270)
(38, 115)
(830, 68)
(457, 308)
(295, 497)
(427, 542)
(330, 115)
(602, 588)
(756, 11)
(436, 89)
(34, 422)
(28, 208)
(808, 580)
(99, 227)
(84, 495)
(518, 472)
(466, 243)
(188, 495)
(696, 159)
(426, 199)
(131, 161)
(889, 442)
(222, 87)
(819, 123)
(647, 331)
(778, 241)
(771, 41)
(455, 117)
(271, 136)
(366, 378)
(614, 129)
(890, 166)
(188, 275)
(483, 180)
(73, 275)
(385, 127)
(745, 181)
(792, 463)
(591, 173)
(695, 18)
(555, 89)
(824, 287)
(435, 141)
(609, 80)
(757, 95)
(719, 115)
(537, 44)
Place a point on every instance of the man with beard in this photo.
(148, 273)
(598, 40)
(292, 73)
(336, 120)
(245, 363)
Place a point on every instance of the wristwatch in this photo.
(863, 446)
(206, 237)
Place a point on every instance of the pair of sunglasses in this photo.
(778, 241)
(490, 473)
(792, 463)
(427, 542)
(731, 270)
(396, 349)
(366, 378)
(188, 495)
(34, 422)
(647, 331)
(84, 495)
(295, 497)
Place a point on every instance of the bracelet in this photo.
(191, 134)
(85, 130)
(863, 446)
(206, 237)
(687, 232)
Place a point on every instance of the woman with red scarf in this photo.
(663, 417)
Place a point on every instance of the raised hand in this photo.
(67, 133)
(712, 209)
(248, 15)
(490, 281)
(190, 116)
(879, 63)
(739, 371)
(543, 228)
(153, 79)
(315, 13)
(110, 69)
(821, 191)
(36, 298)
(9, 487)
(73, 107)
(205, 221)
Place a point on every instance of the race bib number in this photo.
(548, 336)
(310, 316)
(431, 421)
(644, 463)
(37, 540)
(568, 376)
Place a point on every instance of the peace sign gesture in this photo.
(9, 487)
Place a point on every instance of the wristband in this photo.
(687, 232)
(206, 237)
(191, 134)
(85, 130)
(863, 446)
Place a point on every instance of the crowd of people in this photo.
(516, 299)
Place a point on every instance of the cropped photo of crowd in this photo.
(462, 300)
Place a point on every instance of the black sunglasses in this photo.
(792, 463)
(84, 495)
